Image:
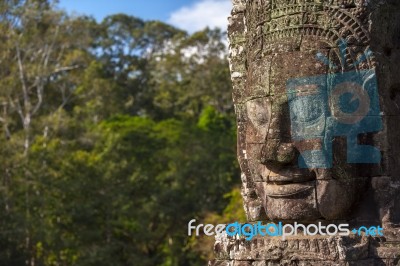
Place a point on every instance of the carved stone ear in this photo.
(252, 203)
(237, 60)
(237, 48)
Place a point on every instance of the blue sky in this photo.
(190, 15)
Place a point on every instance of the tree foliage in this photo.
(115, 135)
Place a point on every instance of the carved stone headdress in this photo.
(290, 25)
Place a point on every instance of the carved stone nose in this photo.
(286, 153)
(276, 152)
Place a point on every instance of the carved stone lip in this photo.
(291, 176)
(288, 189)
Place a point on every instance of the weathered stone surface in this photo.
(295, 248)
(368, 262)
(324, 46)
(273, 42)
(308, 153)
(306, 250)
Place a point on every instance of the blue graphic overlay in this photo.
(335, 105)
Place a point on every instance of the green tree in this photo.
(115, 135)
(40, 56)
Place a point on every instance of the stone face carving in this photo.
(316, 93)
(305, 152)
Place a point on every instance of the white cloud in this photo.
(211, 13)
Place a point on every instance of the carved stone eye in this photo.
(306, 110)
(257, 111)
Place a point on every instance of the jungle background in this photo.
(114, 135)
